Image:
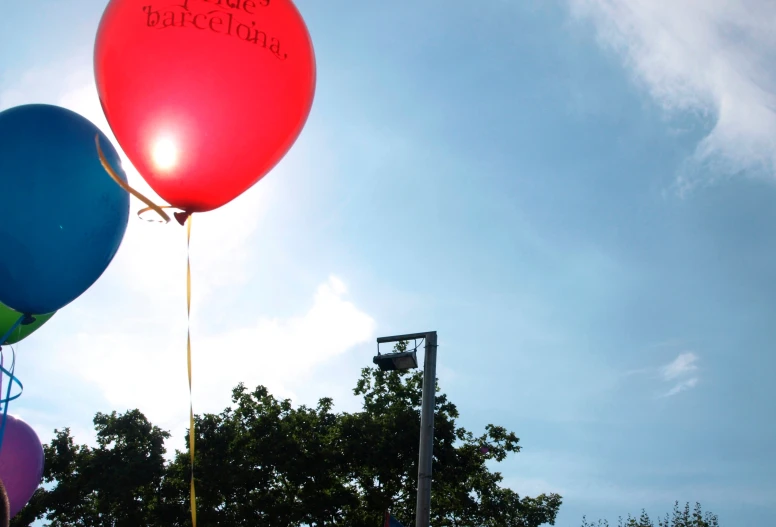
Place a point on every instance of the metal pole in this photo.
(426, 455)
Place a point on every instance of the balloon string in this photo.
(10, 331)
(188, 359)
(112, 173)
(8, 398)
(11, 377)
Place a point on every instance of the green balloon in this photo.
(8, 318)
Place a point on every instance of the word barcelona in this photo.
(224, 20)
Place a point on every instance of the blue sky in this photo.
(576, 194)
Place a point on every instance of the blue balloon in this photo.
(62, 217)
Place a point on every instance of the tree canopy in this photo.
(264, 462)
(680, 518)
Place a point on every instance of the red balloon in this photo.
(204, 96)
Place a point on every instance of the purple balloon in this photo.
(21, 462)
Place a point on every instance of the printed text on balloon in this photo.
(223, 20)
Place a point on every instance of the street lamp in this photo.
(404, 361)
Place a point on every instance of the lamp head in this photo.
(396, 361)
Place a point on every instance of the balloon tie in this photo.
(7, 399)
(188, 359)
(159, 209)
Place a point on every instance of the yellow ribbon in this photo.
(188, 358)
(159, 209)
(112, 173)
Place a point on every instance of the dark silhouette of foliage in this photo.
(263, 462)
(680, 518)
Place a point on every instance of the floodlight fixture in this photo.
(406, 360)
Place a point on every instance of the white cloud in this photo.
(681, 365)
(713, 57)
(680, 371)
(132, 372)
(682, 386)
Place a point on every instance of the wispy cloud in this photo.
(683, 364)
(681, 371)
(682, 386)
(715, 58)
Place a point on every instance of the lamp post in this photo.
(404, 361)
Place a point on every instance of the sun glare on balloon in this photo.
(165, 154)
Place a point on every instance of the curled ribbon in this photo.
(11, 380)
(120, 182)
(11, 377)
(182, 217)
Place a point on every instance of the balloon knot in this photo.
(27, 320)
(182, 217)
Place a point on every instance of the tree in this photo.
(679, 518)
(263, 462)
(464, 491)
(267, 463)
(114, 485)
